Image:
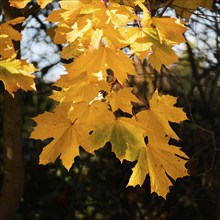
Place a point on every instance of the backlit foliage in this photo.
(93, 109)
(14, 73)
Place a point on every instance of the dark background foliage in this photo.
(95, 187)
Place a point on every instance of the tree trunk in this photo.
(13, 170)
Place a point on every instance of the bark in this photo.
(13, 170)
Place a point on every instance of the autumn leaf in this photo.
(122, 100)
(66, 17)
(68, 134)
(19, 3)
(89, 113)
(122, 133)
(128, 2)
(162, 55)
(69, 126)
(89, 37)
(157, 159)
(44, 3)
(82, 89)
(95, 34)
(15, 74)
(7, 34)
(23, 3)
(90, 25)
(186, 8)
(155, 120)
(170, 29)
(139, 44)
(161, 51)
(96, 62)
(155, 38)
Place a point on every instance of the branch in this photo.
(196, 76)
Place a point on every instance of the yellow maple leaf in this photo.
(155, 120)
(43, 3)
(74, 49)
(65, 17)
(157, 159)
(146, 43)
(15, 74)
(19, 3)
(84, 32)
(90, 24)
(63, 125)
(131, 3)
(94, 31)
(170, 29)
(155, 38)
(162, 52)
(86, 37)
(186, 8)
(96, 27)
(167, 33)
(123, 133)
(69, 126)
(7, 34)
(162, 55)
(113, 38)
(91, 112)
(23, 3)
(142, 48)
(82, 89)
(120, 14)
(127, 2)
(122, 100)
(96, 62)
(139, 44)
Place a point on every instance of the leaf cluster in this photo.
(96, 105)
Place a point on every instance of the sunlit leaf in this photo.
(155, 120)
(157, 159)
(15, 74)
(7, 34)
(23, 3)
